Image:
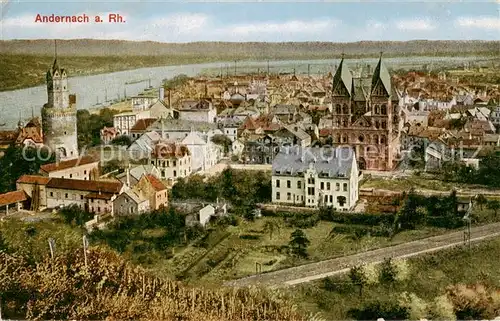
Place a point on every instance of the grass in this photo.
(237, 255)
(417, 182)
(429, 276)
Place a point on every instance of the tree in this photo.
(75, 216)
(122, 140)
(298, 243)
(481, 201)
(18, 161)
(494, 205)
(388, 273)
(358, 277)
(270, 227)
(222, 140)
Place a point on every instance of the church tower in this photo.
(59, 115)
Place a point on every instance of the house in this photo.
(154, 189)
(84, 168)
(132, 175)
(130, 203)
(178, 129)
(124, 122)
(292, 135)
(160, 110)
(315, 177)
(198, 111)
(31, 134)
(202, 217)
(173, 160)
(204, 153)
(142, 147)
(35, 187)
(141, 102)
(16, 200)
(140, 127)
(92, 196)
(229, 127)
(108, 134)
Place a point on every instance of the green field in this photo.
(428, 278)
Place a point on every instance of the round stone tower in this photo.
(59, 115)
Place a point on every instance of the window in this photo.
(277, 195)
(310, 191)
(168, 163)
(331, 199)
(51, 193)
(345, 187)
(288, 184)
(98, 208)
(322, 185)
(152, 162)
(175, 163)
(337, 186)
(277, 183)
(310, 180)
(66, 195)
(299, 184)
(175, 173)
(70, 175)
(288, 196)
(326, 198)
(328, 186)
(81, 197)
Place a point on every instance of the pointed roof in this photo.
(381, 74)
(342, 74)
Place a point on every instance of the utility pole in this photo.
(85, 246)
(467, 219)
(235, 68)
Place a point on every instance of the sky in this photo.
(263, 20)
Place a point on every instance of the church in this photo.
(59, 115)
(366, 116)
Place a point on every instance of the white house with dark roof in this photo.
(316, 177)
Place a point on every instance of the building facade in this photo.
(172, 160)
(59, 115)
(316, 177)
(366, 116)
(85, 168)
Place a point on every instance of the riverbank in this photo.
(23, 71)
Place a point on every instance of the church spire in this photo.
(381, 76)
(55, 65)
(342, 76)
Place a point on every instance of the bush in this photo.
(442, 309)
(303, 220)
(415, 306)
(378, 309)
(249, 237)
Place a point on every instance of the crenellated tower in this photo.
(59, 115)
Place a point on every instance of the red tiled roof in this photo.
(33, 179)
(156, 183)
(12, 197)
(166, 150)
(8, 136)
(143, 124)
(97, 195)
(83, 185)
(67, 164)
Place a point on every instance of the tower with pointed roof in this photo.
(365, 115)
(59, 115)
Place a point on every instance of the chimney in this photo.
(128, 176)
(162, 128)
(161, 93)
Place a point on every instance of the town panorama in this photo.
(264, 167)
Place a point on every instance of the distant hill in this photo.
(90, 47)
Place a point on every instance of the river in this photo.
(89, 90)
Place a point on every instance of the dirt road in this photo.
(319, 270)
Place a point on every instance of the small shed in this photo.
(16, 199)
